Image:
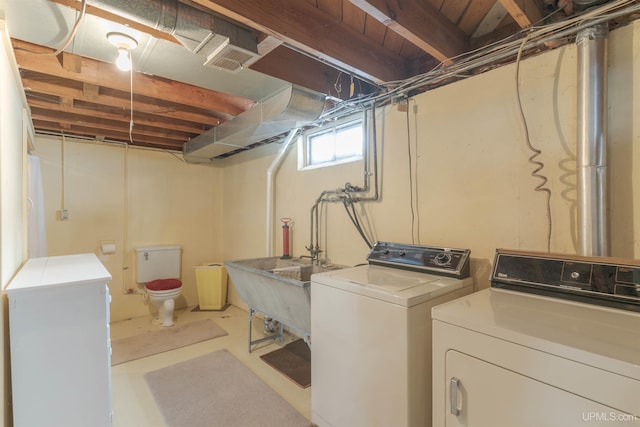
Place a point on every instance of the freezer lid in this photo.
(401, 287)
(59, 270)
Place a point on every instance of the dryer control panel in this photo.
(604, 281)
(428, 259)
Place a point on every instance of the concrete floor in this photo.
(133, 404)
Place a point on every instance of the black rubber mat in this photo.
(293, 361)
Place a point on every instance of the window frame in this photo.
(307, 136)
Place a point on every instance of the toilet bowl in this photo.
(162, 293)
(158, 269)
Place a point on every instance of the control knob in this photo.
(442, 259)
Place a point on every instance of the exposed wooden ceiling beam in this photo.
(91, 111)
(420, 23)
(524, 12)
(307, 28)
(491, 20)
(106, 75)
(140, 140)
(105, 124)
(36, 85)
(90, 91)
(299, 69)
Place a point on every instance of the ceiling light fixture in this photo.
(124, 44)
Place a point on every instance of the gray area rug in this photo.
(217, 390)
(165, 339)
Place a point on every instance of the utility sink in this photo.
(278, 288)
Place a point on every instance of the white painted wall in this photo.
(12, 169)
(12, 198)
(471, 179)
(169, 203)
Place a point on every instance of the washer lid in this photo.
(394, 285)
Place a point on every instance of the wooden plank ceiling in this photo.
(319, 44)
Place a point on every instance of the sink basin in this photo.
(278, 288)
(301, 272)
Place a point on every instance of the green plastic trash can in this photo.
(211, 280)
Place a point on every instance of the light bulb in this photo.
(123, 62)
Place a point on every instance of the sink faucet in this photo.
(314, 252)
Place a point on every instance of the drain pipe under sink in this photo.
(270, 175)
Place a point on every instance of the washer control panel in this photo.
(428, 259)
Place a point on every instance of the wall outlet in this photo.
(63, 214)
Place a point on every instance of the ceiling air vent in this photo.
(232, 58)
(238, 51)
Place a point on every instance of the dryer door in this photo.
(483, 394)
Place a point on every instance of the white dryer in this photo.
(555, 342)
(371, 335)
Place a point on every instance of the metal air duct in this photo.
(291, 107)
(593, 236)
(585, 4)
(223, 45)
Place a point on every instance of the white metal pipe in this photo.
(591, 147)
(275, 165)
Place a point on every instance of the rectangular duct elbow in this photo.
(292, 107)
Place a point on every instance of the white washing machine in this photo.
(371, 335)
(555, 342)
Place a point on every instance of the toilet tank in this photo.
(158, 262)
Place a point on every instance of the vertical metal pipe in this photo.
(593, 239)
(273, 169)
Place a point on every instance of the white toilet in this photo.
(158, 267)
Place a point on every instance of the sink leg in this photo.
(252, 313)
(279, 335)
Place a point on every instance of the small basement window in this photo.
(334, 143)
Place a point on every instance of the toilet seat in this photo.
(164, 284)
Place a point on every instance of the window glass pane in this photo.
(332, 143)
(321, 148)
(349, 141)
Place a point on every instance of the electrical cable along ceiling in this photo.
(198, 65)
